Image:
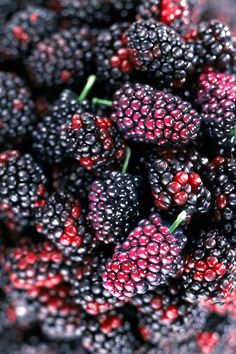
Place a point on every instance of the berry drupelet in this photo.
(126, 9)
(113, 64)
(209, 268)
(108, 334)
(17, 111)
(147, 258)
(113, 205)
(88, 291)
(62, 59)
(22, 188)
(160, 52)
(62, 220)
(221, 179)
(94, 141)
(177, 184)
(157, 117)
(216, 97)
(25, 29)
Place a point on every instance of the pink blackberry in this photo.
(62, 220)
(216, 97)
(94, 141)
(113, 205)
(145, 115)
(209, 268)
(147, 258)
(160, 52)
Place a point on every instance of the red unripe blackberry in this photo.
(25, 29)
(221, 178)
(113, 205)
(160, 52)
(22, 188)
(113, 64)
(157, 117)
(216, 97)
(94, 141)
(108, 334)
(62, 220)
(147, 258)
(176, 183)
(209, 268)
(61, 59)
(17, 110)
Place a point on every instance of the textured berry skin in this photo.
(213, 44)
(157, 117)
(17, 111)
(126, 9)
(177, 184)
(113, 205)
(113, 64)
(160, 51)
(25, 29)
(61, 219)
(88, 291)
(49, 137)
(221, 178)
(216, 97)
(108, 334)
(22, 188)
(94, 141)
(146, 259)
(61, 59)
(209, 268)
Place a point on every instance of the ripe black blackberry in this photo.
(213, 44)
(88, 291)
(177, 184)
(62, 220)
(61, 59)
(221, 178)
(209, 269)
(22, 188)
(143, 114)
(94, 141)
(17, 111)
(216, 97)
(126, 9)
(160, 51)
(108, 334)
(113, 64)
(113, 205)
(25, 29)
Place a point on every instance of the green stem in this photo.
(234, 133)
(127, 159)
(178, 221)
(89, 84)
(101, 101)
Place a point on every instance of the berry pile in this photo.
(117, 177)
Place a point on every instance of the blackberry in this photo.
(126, 9)
(17, 109)
(22, 188)
(113, 65)
(177, 184)
(209, 268)
(62, 220)
(113, 205)
(149, 255)
(61, 59)
(216, 97)
(25, 29)
(158, 117)
(89, 293)
(108, 334)
(221, 177)
(160, 51)
(6, 9)
(94, 141)
(213, 44)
